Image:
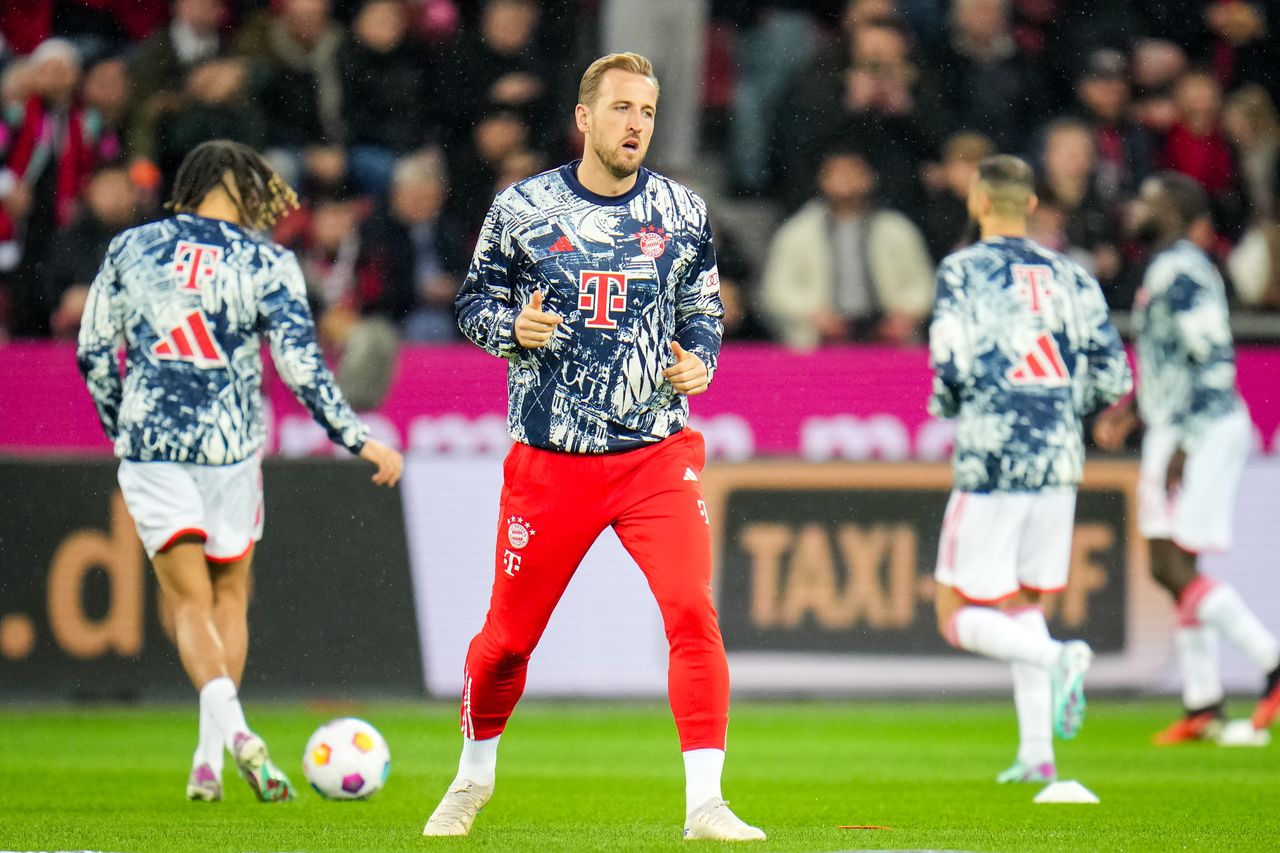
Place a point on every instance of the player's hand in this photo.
(688, 375)
(1112, 427)
(389, 462)
(1173, 475)
(534, 327)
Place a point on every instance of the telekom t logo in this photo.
(194, 264)
(601, 295)
(1034, 282)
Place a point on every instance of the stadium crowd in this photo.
(853, 127)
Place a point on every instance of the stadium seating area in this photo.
(399, 119)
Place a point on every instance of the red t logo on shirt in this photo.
(195, 264)
(601, 295)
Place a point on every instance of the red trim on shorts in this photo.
(1044, 590)
(1026, 608)
(240, 556)
(985, 602)
(1189, 601)
(186, 531)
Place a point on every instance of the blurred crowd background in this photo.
(834, 140)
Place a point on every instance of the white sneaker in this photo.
(1068, 688)
(458, 809)
(713, 821)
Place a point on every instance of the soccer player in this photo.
(191, 295)
(597, 282)
(1022, 348)
(1198, 434)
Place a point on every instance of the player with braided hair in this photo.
(190, 296)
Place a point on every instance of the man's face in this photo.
(846, 180)
(619, 125)
(1106, 97)
(203, 16)
(1068, 154)
(112, 198)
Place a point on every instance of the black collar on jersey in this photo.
(569, 172)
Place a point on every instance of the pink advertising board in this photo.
(854, 402)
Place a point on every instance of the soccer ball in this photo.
(346, 759)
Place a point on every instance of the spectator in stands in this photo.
(53, 151)
(865, 90)
(841, 269)
(1244, 47)
(111, 205)
(497, 136)
(672, 34)
(502, 65)
(947, 226)
(297, 81)
(1125, 150)
(160, 66)
(1197, 147)
(1250, 122)
(416, 250)
(1067, 182)
(390, 105)
(776, 42)
(979, 81)
(214, 105)
(105, 94)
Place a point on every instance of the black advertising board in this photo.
(332, 613)
(839, 558)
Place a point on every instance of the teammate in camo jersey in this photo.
(190, 296)
(1197, 439)
(1022, 349)
(597, 282)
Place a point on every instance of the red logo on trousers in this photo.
(601, 295)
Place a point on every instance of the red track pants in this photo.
(553, 507)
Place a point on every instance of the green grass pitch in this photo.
(582, 777)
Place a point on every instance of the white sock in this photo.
(1198, 660)
(988, 632)
(1032, 696)
(209, 749)
(702, 768)
(218, 699)
(479, 762)
(1224, 609)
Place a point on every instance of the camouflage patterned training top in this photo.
(191, 297)
(1186, 362)
(1022, 348)
(629, 274)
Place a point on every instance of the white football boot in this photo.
(713, 821)
(458, 809)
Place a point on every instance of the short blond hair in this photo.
(632, 63)
(1009, 182)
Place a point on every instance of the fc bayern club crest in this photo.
(518, 532)
(653, 241)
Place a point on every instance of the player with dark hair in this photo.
(191, 296)
(1198, 434)
(1022, 349)
(597, 282)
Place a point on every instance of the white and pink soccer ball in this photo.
(346, 759)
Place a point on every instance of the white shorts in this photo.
(221, 503)
(995, 544)
(1198, 517)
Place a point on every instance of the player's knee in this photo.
(505, 649)
(688, 614)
